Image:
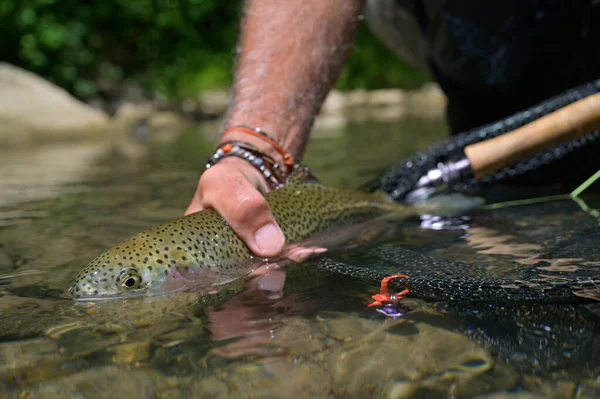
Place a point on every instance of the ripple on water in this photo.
(61, 205)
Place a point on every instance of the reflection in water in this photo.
(491, 242)
(252, 317)
(38, 173)
(297, 332)
(551, 269)
(435, 222)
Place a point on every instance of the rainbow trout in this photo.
(201, 250)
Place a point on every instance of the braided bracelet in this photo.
(262, 162)
(288, 159)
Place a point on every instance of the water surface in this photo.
(63, 204)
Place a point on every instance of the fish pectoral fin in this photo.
(302, 175)
(187, 278)
(298, 252)
(337, 239)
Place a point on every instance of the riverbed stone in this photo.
(386, 97)
(346, 355)
(428, 101)
(32, 107)
(5, 260)
(372, 357)
(335, 103)
(105, 382)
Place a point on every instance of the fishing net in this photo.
(399, 179)
(445, 280)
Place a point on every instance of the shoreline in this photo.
(35, 110)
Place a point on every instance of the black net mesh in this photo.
(399, 179)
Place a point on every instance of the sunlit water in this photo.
(61, 205)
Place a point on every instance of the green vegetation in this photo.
(372, 66)
(573, 195)
(174, 47)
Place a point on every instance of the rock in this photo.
(132, 352)
(5, 260)
(143, 120)
(401, 390)
(28, 359)
(31, 107)
(512, 395)
(386, 97)
(345, 355)
(327, 123)
(164, 120)
(357, 98)
(388, 113)
(377, 354)
(335, 103)
(380, 105)
(213, 102)
(547, 388)
(104, 382)
(129, 113)
(499, 378)
(23, 318)
(427, 101)
(210, 387)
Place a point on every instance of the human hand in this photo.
(232, 187)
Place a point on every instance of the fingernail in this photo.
(269, 240)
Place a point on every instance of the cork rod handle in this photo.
(565, 124)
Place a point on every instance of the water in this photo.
(62, 204)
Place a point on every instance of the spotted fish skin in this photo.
(203, 248)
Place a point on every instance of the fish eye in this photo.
(130, 279)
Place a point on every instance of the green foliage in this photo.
(372, 66)
(88, 47)
(174, 47)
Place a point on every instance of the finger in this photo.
(227, 189)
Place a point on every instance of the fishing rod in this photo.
(488, 156)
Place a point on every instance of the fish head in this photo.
(198, 251)
(134, 267)
(112, 275)
(171, 257)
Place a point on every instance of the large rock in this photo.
(31, 107)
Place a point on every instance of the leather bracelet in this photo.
(288, 159)
(266, 165)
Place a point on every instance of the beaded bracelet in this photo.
(262, 162)
(288, 159)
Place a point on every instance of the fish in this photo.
(201, 251)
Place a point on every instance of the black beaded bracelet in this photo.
(288, 159)
(262, 162)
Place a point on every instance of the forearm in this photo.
(291, 53)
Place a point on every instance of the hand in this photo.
(231, 187)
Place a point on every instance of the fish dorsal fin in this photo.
(302, 175)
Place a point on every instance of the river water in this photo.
(61, 204)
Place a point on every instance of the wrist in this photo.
(252, 174)
(258, 149)
(263, 142)
(289, 129)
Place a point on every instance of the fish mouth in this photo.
(111, 293)
(109, 297)
(99, 294)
